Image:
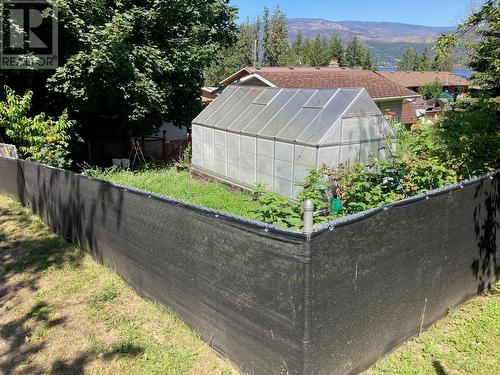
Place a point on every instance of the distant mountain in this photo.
(386, 40)
(375, 31)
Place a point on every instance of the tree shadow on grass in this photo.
(22, 264)
(438, 368)
(17, 356)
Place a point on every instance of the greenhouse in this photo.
(273, 136)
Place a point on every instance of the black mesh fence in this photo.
(272, 300)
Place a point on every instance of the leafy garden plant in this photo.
(40, 138)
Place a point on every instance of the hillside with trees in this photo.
(264, 41)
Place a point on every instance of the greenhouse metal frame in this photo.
(273, 136)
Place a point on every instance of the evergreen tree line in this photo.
(413, 61)
(264, 42)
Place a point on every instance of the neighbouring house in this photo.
(166, 143)
(452, 85)
(389, 96)
(273, 136)
(208, 94)
(415, 80)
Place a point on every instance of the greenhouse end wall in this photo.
(272, 300)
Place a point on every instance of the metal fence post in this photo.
(308, 216)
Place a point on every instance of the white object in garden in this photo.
(8, 151)
(273, 136)
(308, 216)
(125, 163)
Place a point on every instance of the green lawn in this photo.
(179, 185)
(63, 313)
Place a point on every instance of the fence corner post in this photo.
(308, 216)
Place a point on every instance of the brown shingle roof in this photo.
(377, 86)
(418, 79)
(408, 114)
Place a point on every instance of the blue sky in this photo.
(419, 12)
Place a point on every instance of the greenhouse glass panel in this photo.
(327, 118)
(215, 106)
(328, 156)
(228, 106)
(286, 114)
(266, 96)
(298, 124)
(238, 110)
(320, 98)
(364, 105)
(271, 110)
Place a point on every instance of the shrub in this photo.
(431, 91)
(275, 209)
(469, 137)
(40, 138)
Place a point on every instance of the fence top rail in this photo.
(269, 228)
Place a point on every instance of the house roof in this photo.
(377, 86)
(418, 79)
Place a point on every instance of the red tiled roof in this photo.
(329, 77)
(418, 79)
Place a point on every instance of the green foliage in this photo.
(275, 209)
(442, 63)
(127, 65)
(180, 185)
(316, 52)
(424, 61)
(408, 60)
(431, 91)
(369, 63)
(485, 61)
(354, 53)
(337, 51)
(469, 136)
(275, 38)
(485, 44)
(413, 61)
(278, 43)
(363, 187)
(40, 138)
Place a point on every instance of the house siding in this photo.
(391, 106)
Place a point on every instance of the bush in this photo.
(469, 137)
(40, 138)
(431, 91)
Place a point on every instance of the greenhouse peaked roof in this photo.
(303, 116)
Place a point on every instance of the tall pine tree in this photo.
(354, 53)
(266, 38)
(408, 60)
(424, 61)
(279, 39)
(337, 50)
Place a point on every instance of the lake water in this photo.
(459, 71)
